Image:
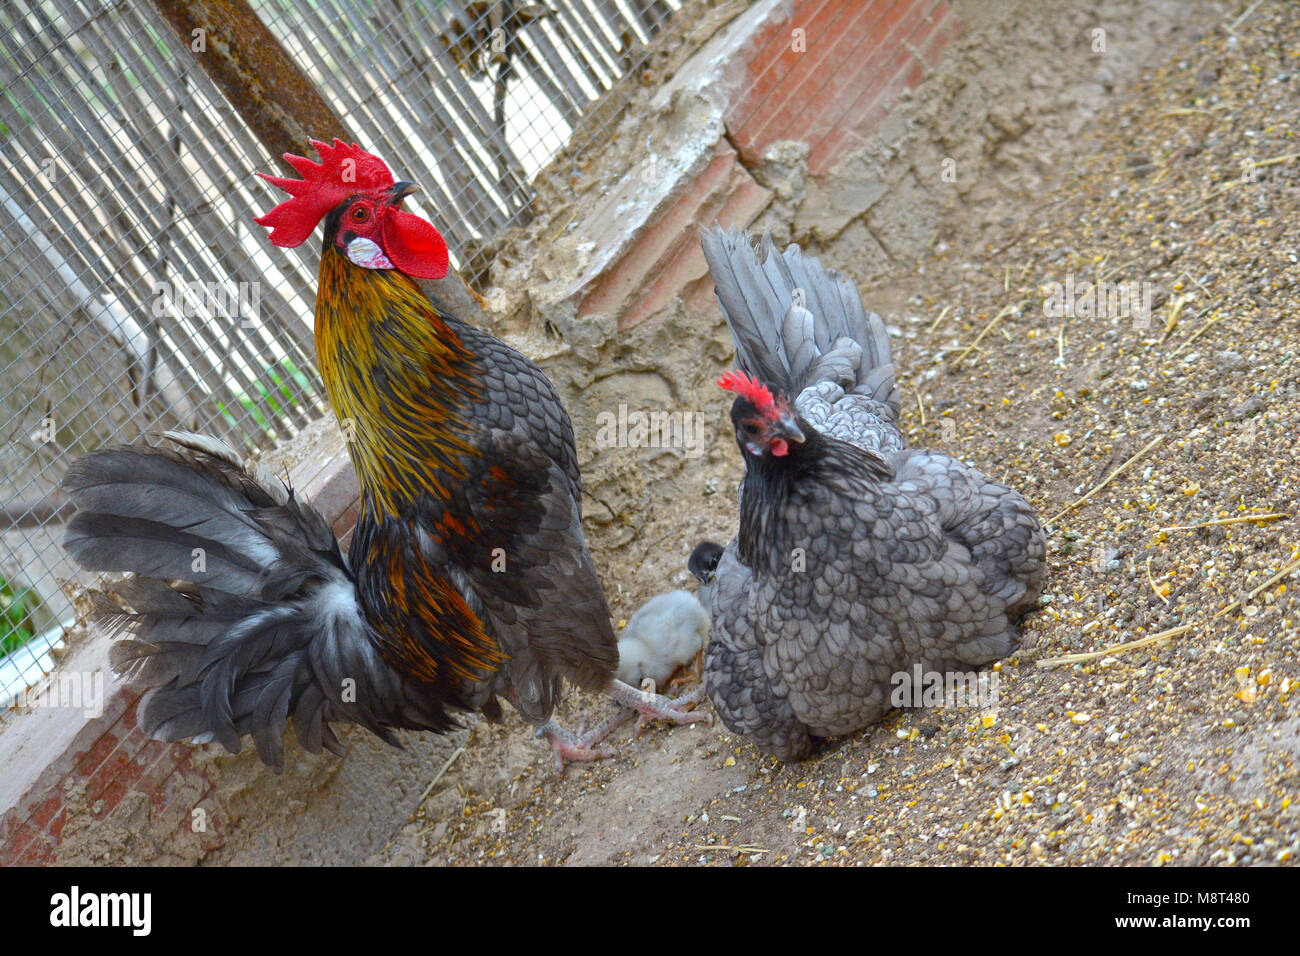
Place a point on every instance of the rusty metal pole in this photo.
(276, 99)
(255, 73)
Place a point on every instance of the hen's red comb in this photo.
(758, 394)
(342, 171)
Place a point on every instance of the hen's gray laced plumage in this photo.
(868, 557)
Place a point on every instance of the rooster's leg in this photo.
(569, 747)
(651, 706)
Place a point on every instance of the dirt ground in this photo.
(1145, 442)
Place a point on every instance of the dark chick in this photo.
(467, 579)
(703, 563)
(857, 559)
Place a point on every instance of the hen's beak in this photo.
(789, 430)
(784, 433)
(401, 191)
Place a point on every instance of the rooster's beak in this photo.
(401, 191)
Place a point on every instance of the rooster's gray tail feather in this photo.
(241, 613)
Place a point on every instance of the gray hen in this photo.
(857, 558)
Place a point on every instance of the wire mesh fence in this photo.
(137, 294)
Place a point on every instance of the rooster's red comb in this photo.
(342, 171)
(758, 394)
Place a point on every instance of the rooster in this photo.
(467, 579)
(857, 559)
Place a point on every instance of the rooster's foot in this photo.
(652, 706)
(570, 747)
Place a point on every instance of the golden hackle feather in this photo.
(397, 376)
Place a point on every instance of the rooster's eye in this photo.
(360, 214)
(750, 428)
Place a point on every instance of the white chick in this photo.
(666, 633)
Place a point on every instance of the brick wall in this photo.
(66, 772)
(90, 780)
(832, 84)
(823, 72)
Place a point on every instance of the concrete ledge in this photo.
(665, 258)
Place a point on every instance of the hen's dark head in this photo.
(354, 193)
(765, 424)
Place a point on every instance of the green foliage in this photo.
(277, 397)
(16, 625)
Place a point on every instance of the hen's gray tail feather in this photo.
(241, 613)
(796, 323)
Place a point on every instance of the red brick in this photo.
(862, 116)
(827, 145)
(46, 810)
(737, 207)
(39, 852)
(98, 752)
(9, 824)
(181, 787)
(120, 770)
(664, 258)
(857, 60)
(128, 719)
(15, 851)
(153, 782)
(842, 97)
(108, 770)
(826, 56)
(107, 800)
(125, 765)
(776, 66)
(148, 755)
(55, 829)
(833, 65)
(178, 813)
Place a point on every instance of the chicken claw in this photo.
(652, 706)
(569, 747)
(580, 747)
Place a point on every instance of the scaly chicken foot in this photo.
(569, 747)
(652, 706)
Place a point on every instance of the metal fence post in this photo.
(255, 73)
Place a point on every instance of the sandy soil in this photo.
(1173, 162)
